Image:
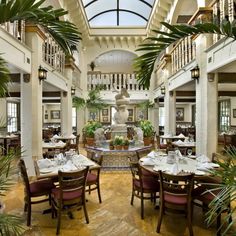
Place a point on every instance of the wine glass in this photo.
(189, 152)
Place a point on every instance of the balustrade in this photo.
(16, 29)
(183, 53)
(113, 81)
(53, 54)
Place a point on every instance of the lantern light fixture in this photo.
(195, 73)
(42, 73)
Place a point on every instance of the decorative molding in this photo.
(31, 28)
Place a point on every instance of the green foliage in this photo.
(94, 100)
(9, 224)
(154, 46)
(118, 140)
(227, 191)
(146, 104)
(4, 77)
(90, 128)
(146, 127)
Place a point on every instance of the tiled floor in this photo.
(113, 217)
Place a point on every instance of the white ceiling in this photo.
(116, 58)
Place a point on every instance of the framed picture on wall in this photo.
(141, 114)
(46, 116)
(55, 114)
(105, 112)
(179, 114)
(234, 113)
(105, 119)
(94, 115)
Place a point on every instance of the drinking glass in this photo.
(189, 152)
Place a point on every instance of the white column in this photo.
(206, 104)
(31, 106)
(66, 113)
(81, 119)
(156, 116)
(170, 112)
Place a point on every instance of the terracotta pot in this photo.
(118, 147)
(126, 147)
(147, 141)
(90, 141)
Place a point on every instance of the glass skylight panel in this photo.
(128, 19)
(136, 6)
(99, 7)
(105, 20)
(122, 12)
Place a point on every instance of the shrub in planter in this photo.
(148, 130)
(89, 129)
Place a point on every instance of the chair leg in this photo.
(132, 198)
(142, 206)
(189, 220)
(58, 221)
(160, 217)
(29, 214)
(25, 207)
(99, 194)
(85, 211)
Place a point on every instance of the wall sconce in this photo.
(72, 91)
(42, 73)
(163, 90)
(195, 73)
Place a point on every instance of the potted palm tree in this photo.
(148, 130)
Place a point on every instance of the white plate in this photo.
(192, 156)
(198, 172)
(46, 170)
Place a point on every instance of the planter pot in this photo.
(111, 147)
(147, 141)
(126, 147)
(90, 141)
(118, 147)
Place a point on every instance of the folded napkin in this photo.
(174, 170)
(60, 143)
(181, 135)
(72, 136)
(203, 159)
(152, 154)
(55, 136)
(146, 161)
(69, 166)
(179, 142)
(178, 153)
(44, 163)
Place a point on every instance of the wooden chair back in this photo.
(24, 176)
(143, 151)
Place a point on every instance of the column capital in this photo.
(32, 28)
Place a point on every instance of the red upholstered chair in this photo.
(34, 190)
(207, 190)
(176, 196)
(70, 194)
(93, 178)
(143, 187)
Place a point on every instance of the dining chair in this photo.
(144, 187)
(33, 190)
(75, 145)
(143, 152)
(176, 196)
(70, 195)
(93, 178)
(159, 144)
(208, 187)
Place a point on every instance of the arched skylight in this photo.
(112, 13)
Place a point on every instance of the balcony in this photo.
(113, 81)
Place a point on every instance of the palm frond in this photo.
(78, 102)
(64, 32)
(4, 77)
(227, 193)
(10, 225)
(154, 46)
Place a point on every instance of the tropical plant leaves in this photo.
(154, 46)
